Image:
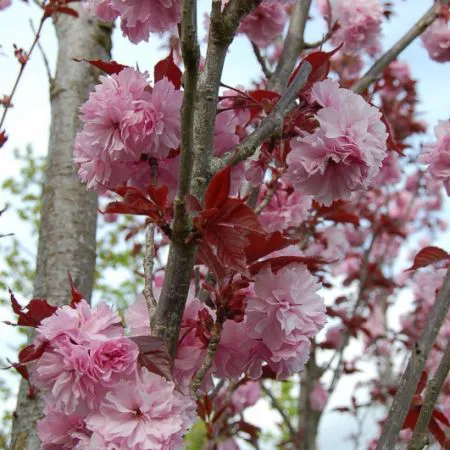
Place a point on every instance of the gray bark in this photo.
(68, 216)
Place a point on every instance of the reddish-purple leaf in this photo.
(439, 415)
(153, 355)
(33, 314)
(3, 138)
(427, 256)
(76, 295)
(436, 430)
(262, 245)
(168, 68)
(218, 189)
(109, 67)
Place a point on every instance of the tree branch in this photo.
(262, 62)
(420, 434)
(148, 269)
(292, 47)
(418, 28)
(276, 404)
(210, 353)
(416, 364)
(199, 116)
(270, 124)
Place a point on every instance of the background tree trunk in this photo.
(68, 217)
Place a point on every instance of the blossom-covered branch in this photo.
(416, 30)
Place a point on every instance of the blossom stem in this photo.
(262, 62)
(417, 29)
(413, 371)
(271, 123)
(420, 434)
(210, 353)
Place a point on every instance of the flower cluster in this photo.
(345, 153)
(283, 315)
(436, 39)
(96, 395)
(359, 23)
(437, 155)
(265, 23)
(139, 18)
(125, 123)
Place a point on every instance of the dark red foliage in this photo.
(76, 295)
(59, 6)
(223, 227)
(320, 62)
(338, 212)
(427, 256)
(154, 204)
(109, 67)
(153, 355)
(34, 313)
(279, 262)
(3, 138)
(260, 246)
(168, 68)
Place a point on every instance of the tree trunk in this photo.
(68, 216)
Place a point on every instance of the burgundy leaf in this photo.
(262, 245)
(218, 189)
(279, 262)
(76, 295)
(168, 68)
(153, 355)
(33, 314)
(109, 67)
(427, 256)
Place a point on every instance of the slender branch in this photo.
(44, 56)
(292, 47)
(210, 353)
(269, 195)
(262, 62)
(276, 404)
(148, 269)
(416, 364)
(167, 318)
(417, 29)
(271, 123)
(420, 434)
(22, 68)
(200, 118)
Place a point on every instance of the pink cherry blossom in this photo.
(437, 155)
(290, 358)
(146, 413)
(286, 307)
(359, 23)
(318, 397)
(436, 39)
(390, 172)
(59, 431)
(345, 154)
(4, 4)
(225, 135)
(287, 208)
(123, 120)
(81, 324)
(139, 18)
(246, 395)
(137, 317)
(265, 23)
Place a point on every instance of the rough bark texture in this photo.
(68, 216)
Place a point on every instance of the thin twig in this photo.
(44, 56)
(22, 68)
(271, 123)
(269, 195)
(276, 404)
(416, 364)
(420, 435)
(417, 29)
(262, 62)
(148, 269)
(210, 353)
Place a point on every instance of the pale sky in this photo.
(28, 123)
